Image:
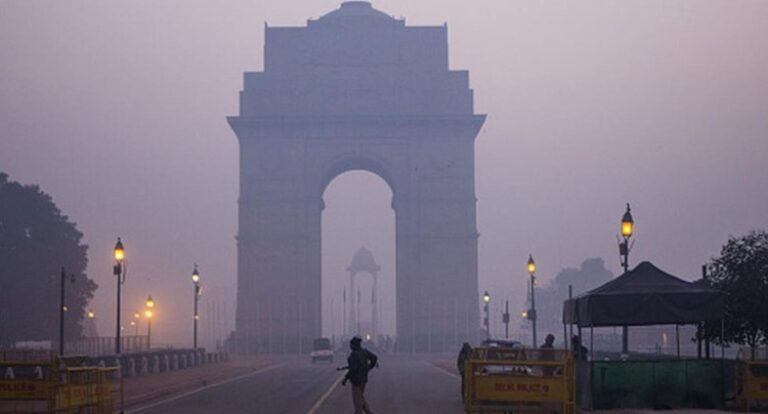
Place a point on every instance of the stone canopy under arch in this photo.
(356, 90)
(363, 262)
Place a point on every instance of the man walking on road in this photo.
(359, 362)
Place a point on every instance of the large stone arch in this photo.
(356, 89)
(372, 163)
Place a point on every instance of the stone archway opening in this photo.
(358, 216)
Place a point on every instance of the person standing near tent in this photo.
(579, 351)
(548, 354)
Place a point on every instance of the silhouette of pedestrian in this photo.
(579, 350)
(464, 354)
(547, 353)
(359, 362)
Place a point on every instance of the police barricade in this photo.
(48, 386)
(519, 380)
(87, 390)
(751, 377)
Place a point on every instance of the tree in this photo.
(549, 300)
(741, 272)
(36, 241)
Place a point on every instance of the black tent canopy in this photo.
(645, 295)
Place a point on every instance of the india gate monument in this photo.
(356, 90)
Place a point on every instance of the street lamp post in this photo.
(119, 272)
(505, 319)
(148, 313)
(135, 322)
(532, 312)
(62, 310)
(196, 281)
(357, 309)
(487, 302)
(627, 229)
(92, 330)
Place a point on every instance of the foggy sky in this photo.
(117, 109)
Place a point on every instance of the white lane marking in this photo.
(444, 371)
(326, 395)
(195, 391)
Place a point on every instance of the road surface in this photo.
(401, 384)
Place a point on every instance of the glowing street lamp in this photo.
(195, 275)
(627, 223)
(119, 271)
(195, 316)
(532, 311)
(148, 313)
(135, 322)
(627, 229)
(487, 321)
(119, 250)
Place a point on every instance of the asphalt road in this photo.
(401, 384)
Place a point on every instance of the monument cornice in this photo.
(357, 127)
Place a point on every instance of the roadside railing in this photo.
(105, 345)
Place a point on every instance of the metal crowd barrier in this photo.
(105, 345)
(519, 380)
(751, 377)
(44, 384)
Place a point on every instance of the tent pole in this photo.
(722, 338)
(625, 340)
(581, 342)
(677, 339)
(591, 343)
(707, 348)
(699, 334)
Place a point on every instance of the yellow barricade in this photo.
(48, 386)
(24, 389)
(520, 380)
(751, 377)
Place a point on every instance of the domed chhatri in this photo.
(361, 11)
(363, 261)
